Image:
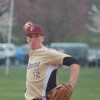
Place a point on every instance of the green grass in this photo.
(88, 84)
(12, 86)
(87, 88)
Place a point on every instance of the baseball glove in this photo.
(61, 92)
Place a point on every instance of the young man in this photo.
(43, 63)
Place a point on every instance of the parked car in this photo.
(22, 53)
(8, 50)
(77, 50)
(94, 57)
(25, 52)
(2, 56)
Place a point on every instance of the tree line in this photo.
(63, 20)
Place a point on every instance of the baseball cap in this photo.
(32, 28)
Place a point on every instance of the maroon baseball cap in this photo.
(31, 28)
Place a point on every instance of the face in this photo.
(35, 40)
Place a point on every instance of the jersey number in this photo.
(36, 74)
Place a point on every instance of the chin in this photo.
(32, 47)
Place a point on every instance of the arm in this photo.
(74, 69)
(74, 74)
(64, 91)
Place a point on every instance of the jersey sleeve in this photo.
(55, 57)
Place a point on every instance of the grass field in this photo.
(88, 86)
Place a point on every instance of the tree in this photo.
(93, 24)
(77, 16)
(50, 15)
(4, 12)
(59, 18)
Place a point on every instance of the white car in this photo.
(2, 53)
(2, 56)
(8, 50)
(94, 57)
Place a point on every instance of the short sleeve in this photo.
(55, 57)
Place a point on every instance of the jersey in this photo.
(41, 71)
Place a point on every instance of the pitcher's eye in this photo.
(36, 35)
(30, 36)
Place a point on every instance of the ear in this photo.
(27, 39)
(42, 38)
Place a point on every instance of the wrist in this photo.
(72, 84)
